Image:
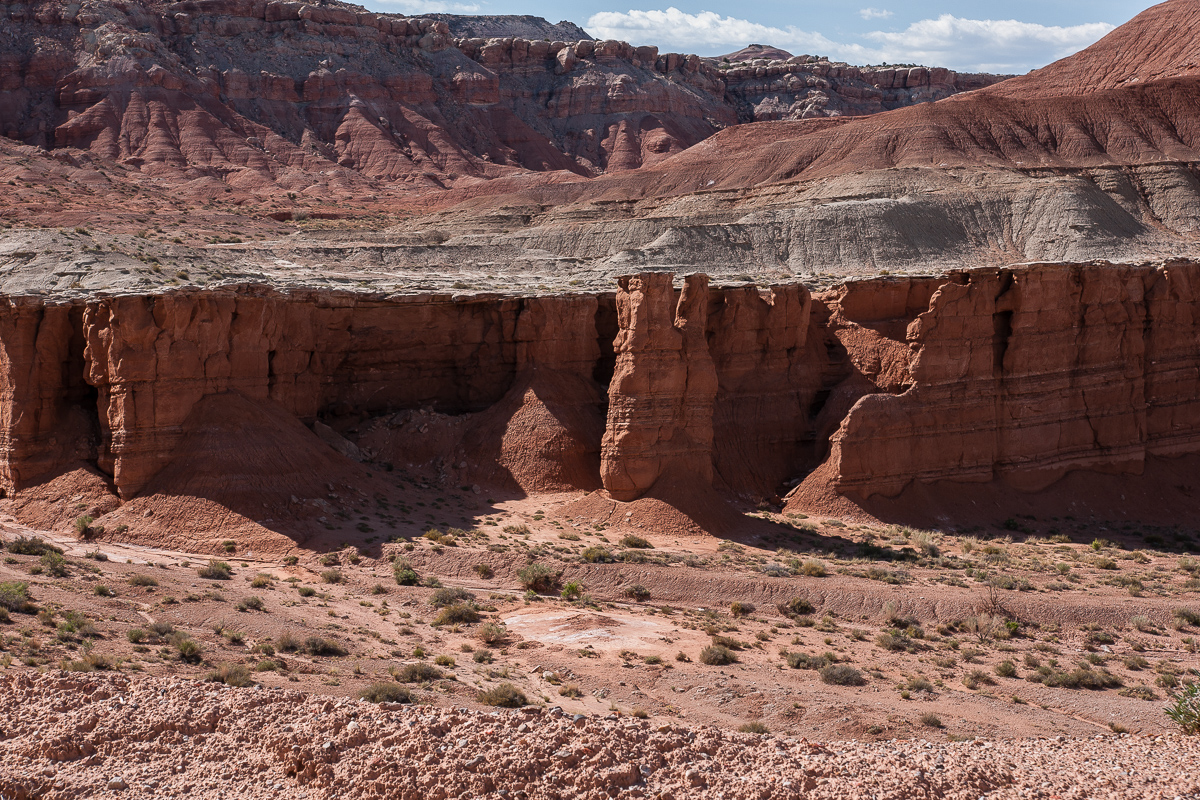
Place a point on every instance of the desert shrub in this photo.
(1006, 669)
(740, 609)
(726, 641)
(448, 595)
(570, 690)
(161, 630)
(484, 571)
(503, 695)
(54, 564)
(537, 577)
(796, 607)
(716, 655)
(754, 727)
(252, 603)
(517, 530)
(572, 591)
(230, 675)
(636, 542)
(138, 579)
(135, 635)
(386, 693)
(188, 648)
(417, 673)
(14, 596)
(32, 546)
(456, 614)
(216, 571)
(405, 574)
(813, 568)
(482, 656)
(1184, 710)
(637, 592)
(261, 581)
(597, 555)
(331, 576)
(1079, 678)
(318, 646)
(1187, 616)
(491, 633)
(842, 675)
(896, 641)
(976, 678)
(444, 661)
(100, 590)
(806, 661)
(1139, 693)
(930, 720)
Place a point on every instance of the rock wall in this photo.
(1019, 375)
(660, 401)
(1029, 373)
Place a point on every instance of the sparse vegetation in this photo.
(386, 693)
(842, 675)
(717, 656)
(216, 571)
(538, 577)
(503, 695)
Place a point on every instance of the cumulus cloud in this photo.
(435, 7)
(874, 13)
(963, 44)
(985, 45)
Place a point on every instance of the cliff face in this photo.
(1017, 375)
(1027, 374)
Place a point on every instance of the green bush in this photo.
(716, 655)
(1184, 711)
(637, 592)
(54, 564)
(806, 661)
(1006, 669)
(317, 646)
(503, 695)
(188, 648)
(386, 693)
(135, 635)
(216, 571)
(537, 577)
(405, 574)
(597, 555)
(572, 591)
(331, 576)
(32, 546)
(842, 675)
(14, 596)
(449, 596)
(418, 673)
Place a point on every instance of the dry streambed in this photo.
(73, 736)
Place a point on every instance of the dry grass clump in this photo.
(138, 579)
(417, 673)
(230, 675)
(537, 577)
(456, 614)
(716, 655)
(386, 693)
(215, 571)
(842, 675)
(503, 695)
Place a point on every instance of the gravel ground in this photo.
(69, 735)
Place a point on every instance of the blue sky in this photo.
(968, 35)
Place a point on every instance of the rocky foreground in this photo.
(66, 736)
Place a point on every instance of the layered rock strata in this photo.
(1029, 373)
(1018, 375)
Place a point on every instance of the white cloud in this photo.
(874, 13)
(948, 41)
(985, 44)
(436, 7)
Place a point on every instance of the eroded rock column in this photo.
(660, 414)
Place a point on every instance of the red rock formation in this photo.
(1029, 373)
(660, 401)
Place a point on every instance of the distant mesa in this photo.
(755, 51)
(523, 26)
